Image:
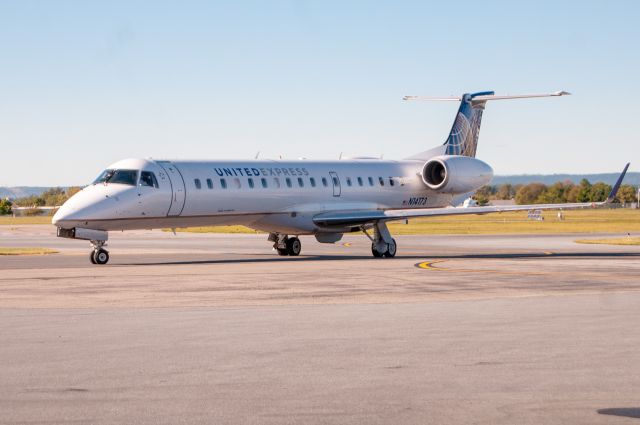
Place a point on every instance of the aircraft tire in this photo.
(282, 252)
(101, 256)
(294, 246)
(92, 257)
(391, 249)
(375, 252)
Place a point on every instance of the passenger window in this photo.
(250, 183)
(300, 182)
(236, 183)
(391, 182)
(312, 181)
(359, 181)
(264, 182)
(336, 182)
(276, 181)
(197, 182)
(288, 180)
(324, 182)
(370, 181)
(223, 183)
(348, 181)
(147, 178)
(381, 180)
(209, 183)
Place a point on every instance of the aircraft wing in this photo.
(355, 218)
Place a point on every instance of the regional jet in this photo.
(290, 198)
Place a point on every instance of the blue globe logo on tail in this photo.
(463, 137)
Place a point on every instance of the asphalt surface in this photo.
(218, 329)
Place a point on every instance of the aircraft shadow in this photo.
(274, 258)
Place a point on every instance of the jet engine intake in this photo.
(456, 174)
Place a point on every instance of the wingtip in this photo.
(616, 187)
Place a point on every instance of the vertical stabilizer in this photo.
(463, 137)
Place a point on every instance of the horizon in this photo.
(87, 84)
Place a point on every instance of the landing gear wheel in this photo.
(92, 257)
(391, 249)
(100, 256)
(282, 251)
(375, 252)
(294, 246)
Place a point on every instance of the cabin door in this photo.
(335, 180)
(177, 188)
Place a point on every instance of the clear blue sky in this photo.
(85, 83)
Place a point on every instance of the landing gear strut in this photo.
(286, 245)
(99, 255)
(382, 244)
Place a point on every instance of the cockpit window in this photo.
(128, 177)
(147, 178)
(104, 176)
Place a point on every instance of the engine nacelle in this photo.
(456, 174)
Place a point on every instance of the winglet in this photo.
(614, 190)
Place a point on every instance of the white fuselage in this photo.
(275, 196)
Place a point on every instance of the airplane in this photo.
(287, 199)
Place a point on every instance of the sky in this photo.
(84, 84)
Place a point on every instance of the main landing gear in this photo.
(382, 244)
(286, 245)
(99, 255)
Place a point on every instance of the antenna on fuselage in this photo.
(340, 156)
(257, 155)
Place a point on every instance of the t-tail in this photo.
(464, 134)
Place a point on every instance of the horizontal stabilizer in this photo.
(487, 97)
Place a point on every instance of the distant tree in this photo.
(599, 192)
(53, 197)
(483, 195)
(554, 194)
(584, 193)
(505, 192)
(5, 206)
(529, 193)
(573, 193)
(72, 191)
(627, 193)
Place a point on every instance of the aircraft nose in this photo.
(57, 217)
(74, 209)
(64, 214)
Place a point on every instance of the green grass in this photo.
(8, 220)
(26, 251)
(615, 241)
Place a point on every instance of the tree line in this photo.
(557, 193)
(53, 197)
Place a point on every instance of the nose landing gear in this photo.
(99, 255)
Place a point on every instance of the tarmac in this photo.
(205, 328)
